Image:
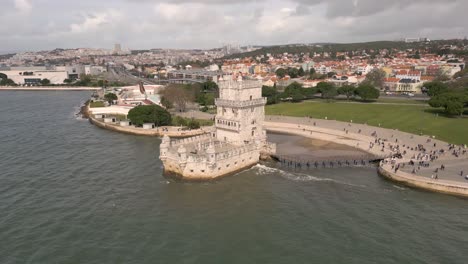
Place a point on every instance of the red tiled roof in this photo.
(392, 79)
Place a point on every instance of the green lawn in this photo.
(96, 104)
(409, 118)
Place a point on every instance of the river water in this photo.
(73, 193)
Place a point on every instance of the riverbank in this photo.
(418, 155)
(173, 132)
(376, 141)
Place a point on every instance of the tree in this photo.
(67, 81)
(110, 97)
(294, 91)
(435, 88)
(376, 78)
(347, 90)
(270, 93)
(3, 76)
(301, 72)
(367, 92)
(441, 76)
(179, 96)
(7, 82)
(281, 73)
(327, 90)
(154, 114)
(311, 73)
(293, 72)
(454, 108)
(210, 86)
(45, 82)
(452, 102)
(166, 103)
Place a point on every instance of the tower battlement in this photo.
(237, 142)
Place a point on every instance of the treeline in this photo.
(451, 96)
(432, 47)
(295, 92)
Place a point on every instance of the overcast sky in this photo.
(139, 24)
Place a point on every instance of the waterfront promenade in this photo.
(420, 161)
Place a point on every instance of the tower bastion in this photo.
(238, 141)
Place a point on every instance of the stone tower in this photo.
(241, 112)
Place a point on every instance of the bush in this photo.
(179, 121)
(149, 114)
(193, 124)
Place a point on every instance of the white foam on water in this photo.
(399, 187)
(298, 177)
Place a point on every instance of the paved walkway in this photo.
(417, 157)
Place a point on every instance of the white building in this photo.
(237, 142)
(322, 69)
(364, 69)
(94, 70)
(409, 75)
(34, 77)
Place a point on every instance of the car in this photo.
(410, 94)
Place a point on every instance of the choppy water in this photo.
(73, 193)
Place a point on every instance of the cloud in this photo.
(23, 6)
(141, 24)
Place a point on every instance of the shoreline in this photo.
(330, 131)
(385, 170)
(145, 132)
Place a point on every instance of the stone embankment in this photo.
(417, 160)
(172, 132)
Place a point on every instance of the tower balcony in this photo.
(248, 103)
(233, 125)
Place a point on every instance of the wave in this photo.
(298, 177)
(399, 187)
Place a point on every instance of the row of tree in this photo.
(296, 93)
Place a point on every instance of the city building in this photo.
(184, 76)
(237, 143)
(34, 75)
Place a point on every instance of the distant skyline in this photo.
(32, 25)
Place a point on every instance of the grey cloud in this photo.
(209, 23)
(336, 8)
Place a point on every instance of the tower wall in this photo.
(241, 111)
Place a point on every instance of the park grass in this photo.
(409, 118)
(380, 100)
(96, 104)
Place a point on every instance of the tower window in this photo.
(250, 98)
